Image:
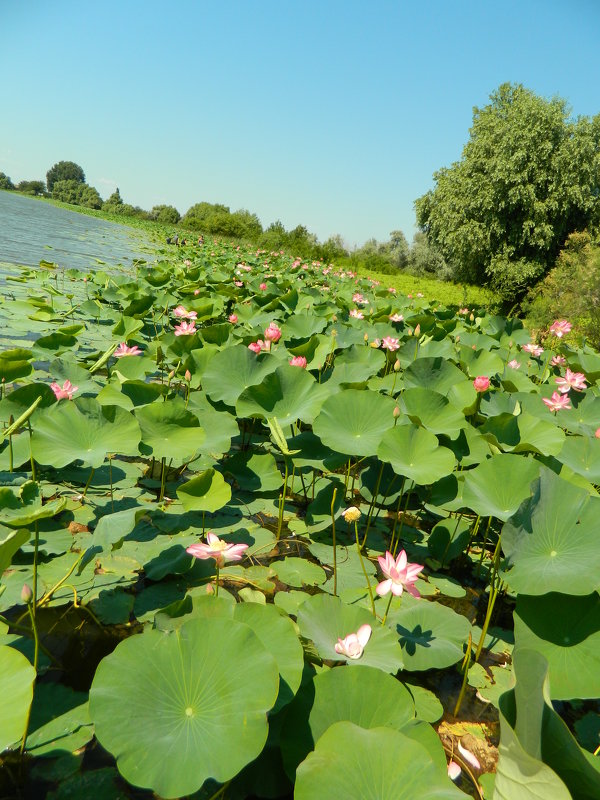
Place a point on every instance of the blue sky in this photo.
(329, 113)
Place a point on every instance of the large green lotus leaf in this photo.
(233, 370)
(566, 630)
(539, 758)
(551, 544)
(356, 365)
(582, 455)
(481, 362)
(498, 486)
(353, 421)
(15, 364)
(289, 393)
(169, 430)
(298, 572)
(433, 373)
(377, 764)
(18, 401)
(325, 619)
(416, 453)
(10, 542)
(431, 635)
(83, 430)
(16, 690)
(255, 472)
(367, 697)
(433, 411)
(584, 417)
(193, 709)
(207, 491)
(22, 508)
(524, 433)
(303, 326)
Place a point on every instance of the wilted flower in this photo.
(218, 549)
(389, 343)
(534, 349)
(351, 514)
(353, 645)
(560, 327)
(572, 380)
(185, 329)
(463, 310)
(64, 392)
(123, 350)
(558, 361)
(399, 575)
(357, 314)
(180, 312)
(273, 333)
(557, 401)
(375, 343)
(481, 383)
(468, 756)
(233, 318)
(298, 361)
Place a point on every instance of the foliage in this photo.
(168, 215)
(529, 176)
(31, 187)
(64, 171)
(5, 182)
(571, 289)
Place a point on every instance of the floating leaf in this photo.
(16, 689)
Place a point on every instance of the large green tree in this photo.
(64, 171)
(5, 182)
(528, 177)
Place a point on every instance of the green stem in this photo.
(282, 502)
(217, 581)
(373, 499)
(36, 651)
(89, 480)
(112, 498)
(364, 570)
(465, 666)
(387, 608)
(485, 538)
(491, 600)
(334, 548)
(163, 462)
(397, 542)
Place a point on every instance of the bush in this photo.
(571, 290)
(167, 215)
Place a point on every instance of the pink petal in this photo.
(364, 634)
(468, 757)
(384, 587)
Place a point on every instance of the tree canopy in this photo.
(5, 182)
(64, 171)
(528, 177)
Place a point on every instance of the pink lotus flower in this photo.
(357, 314)
(185, 329)
(218, 549)
(481, 383)
(463, 310)
(560, 327)
(558, 361)
(534, 349)
(391, 290)
(258, 346)
(123, 350)
(454, 770)
(262, 287)
(298, 361)
(64, 392)
(180, 312)
(273, 333)
(597, 433)
(389, 343)
(353, 645)
(396, 318)
(399, 575)
(420, 294)
(196, 291)
(514, 364)
(187, 262)
(358, 298)
(239, 284)
(557, 401)
(233, 318)
(572, 380)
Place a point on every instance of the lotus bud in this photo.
(334, 318)
(188, 375)
(410, 331)
(26, 594)
(366, 337)
(472, 317)
(171, 375)
(397, 365)
(396, 412)
(351, 514)
(597, 434)
(418, 330)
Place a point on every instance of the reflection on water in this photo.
(32, 231)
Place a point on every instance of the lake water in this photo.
(32, 231)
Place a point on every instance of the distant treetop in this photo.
(64, 171)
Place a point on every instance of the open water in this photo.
(32, 231)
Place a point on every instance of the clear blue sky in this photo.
(329, 113)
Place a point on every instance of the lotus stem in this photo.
(217, 581)
(347, 479)
(373, 499)
(333, 535)
(387, 608)
(112, 498)
(89, 480)
(491, 599)
(31, 459)
(485, 538)
(397, 542)
(362, 564)
(36, 652)
(163, 462)
(465, 668)
(10, 454)
(282, 500)
(451, 540)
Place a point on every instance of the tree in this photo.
(5, 182)
(64, 171)
(168, 215)
(198, 215)
(67, 191)
(529, 176)
(89, 197)
(31, 187)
